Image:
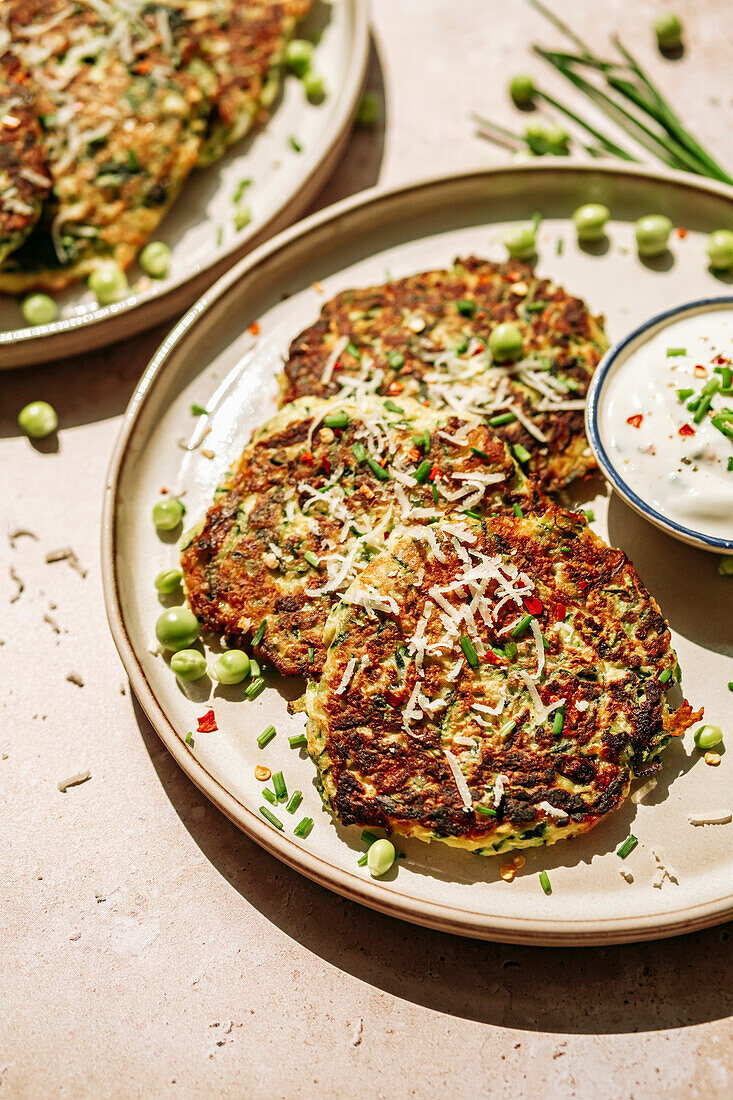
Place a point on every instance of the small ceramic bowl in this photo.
(598, 427)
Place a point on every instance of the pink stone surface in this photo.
(148, 948)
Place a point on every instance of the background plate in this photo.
(199, 228)
(211, 359)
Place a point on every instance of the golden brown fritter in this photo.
(24, 183)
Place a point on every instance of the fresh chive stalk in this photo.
(269, 795)
(259, 635)
(303, 828)
(545, 882)
(271, 817)
(266, 737)
(628, 846)
(298, 741)
(278, 782)
(295, 800)
(470, 652)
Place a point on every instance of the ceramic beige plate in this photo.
(200, 227)
(211, 359)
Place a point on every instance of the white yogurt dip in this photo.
(680, 467)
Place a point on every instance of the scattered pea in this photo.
(720, 249)
(108, 283)
(590, 221)
(369, 110)
(167, 514)
(188, 664)
(168, 581)
(242, 217)
(520, 242)
(707, 737)
(668, 29)
(155, 259)
(725, 566)
(522, 90)
(298, 56)
(506, 342)
(177, 628)
(38, 419)
(314, 88)
(652, 234)
(380, 857)
(39, 309)
(231, 667)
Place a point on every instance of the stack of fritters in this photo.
(106, 108)
(483, 669)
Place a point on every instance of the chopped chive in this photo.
(361, 861)
(722, 426)
(219, 235)
(560, 245)
(535, 307)
(359, 452)
(396, 359)
(517, 511)
(295, 144)
(480, 454)
(470, 512)
(545, 882)
(199, 410)
(666, 675)
(266, 736)
(521, 453)
(254, 688)
(132, 159)
(421, 473)
(558, 722)
(271, 817)
(692, 405)
(353, 350)
(389, 404)
(338, 419)
(242, 217)
(463, 346)
(295, 800)
(730, 685)
(565, 549)
(379, 471)
(465, 307)
(422, 441)
(268, 794)
(367, 837)
(303, 828)
(671, 352)
(589, 514)
(702, 408)
(435, 494)
(711, 386)
(682, 395)
(486, 811)
(260, 633)
(311, 654)
(188, 739)
(239, 190)
(278, 782)
(628, 846)
(506, 729)
(469, 651)
(312, 560)
(510, 650)
(726, 376)
(502, 418)
(520, 626)
(254, 668)
(298, 741)
(730, 464)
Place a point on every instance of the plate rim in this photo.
(29, 344)
(593, 429)
(532, 931)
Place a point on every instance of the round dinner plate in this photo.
(199, 228)
(225, 355)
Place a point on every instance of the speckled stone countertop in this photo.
(148, 948)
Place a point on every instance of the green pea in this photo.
(725, 566)
(39, 309)
(520, 242)
(168, 581)
(590, 221)
(506, 342)
(314, 88)
(720, 250)
(298, 56)
(167, 514)
(108, 283)
(242, 217)
(231, 667)
(38, 419)
(188, 664)
(652, 234)
(535, 135)
(177, 628)
(380, 857)
(155, 259)
(707, 737)
(558, 140)
(668, 29)
(522, 90)
(369, 110)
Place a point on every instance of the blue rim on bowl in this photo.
(602, 373)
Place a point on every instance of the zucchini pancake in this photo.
(117, 104)
(492, 684)
(427, 336)
(314, 497)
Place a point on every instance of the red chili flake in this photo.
(338, 432)
(480, 346)
(414, 455)
(721, 360)
(534, 606)
(560, 612)
(434, 472)
(635, 421)
(392, 698)
(338, 365)
(582, 585)
(326, 466)
(687, 429)
(491, 658)
(466, 591)
(254, 329)
(163, 491)
(700, 371)
(681, 232)
(307, 457)
(396, 387)
(207, 723)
